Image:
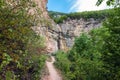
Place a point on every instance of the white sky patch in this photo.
(86, 5)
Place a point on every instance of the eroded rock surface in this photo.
(61, 36)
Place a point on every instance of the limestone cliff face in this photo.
(46, 27)
(42, 5)
(70, 29)
(61, 36)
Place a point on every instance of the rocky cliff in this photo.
(46, 26)
(72, 28)
(61, 36)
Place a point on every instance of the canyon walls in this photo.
(71, 28)
(61, 36)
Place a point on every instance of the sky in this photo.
(68, 6)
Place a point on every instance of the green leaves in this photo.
(99, 2)
(82, 44)
(111, 48)
(64, 65)
(18, 42)
(115, 3)
(85, 57)
(6, 60)
(102, 14)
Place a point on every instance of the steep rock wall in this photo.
(70, 29)
(46, 27)
(61, 36)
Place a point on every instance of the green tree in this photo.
(85, 57)
(111, 49)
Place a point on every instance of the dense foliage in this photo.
(111, 52)
(63, 63)
(94, 56)
(20, 47)
(84, 57)
(60, 17)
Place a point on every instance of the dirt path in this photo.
(53, 74)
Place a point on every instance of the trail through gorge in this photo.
(53, 74)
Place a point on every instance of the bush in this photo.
(111, 48)
(85, 57)
(19, 58)
(63, 64)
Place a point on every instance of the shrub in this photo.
(63, 64)
(18, 42)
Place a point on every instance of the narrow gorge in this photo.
(61, 36)
(59, 40)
